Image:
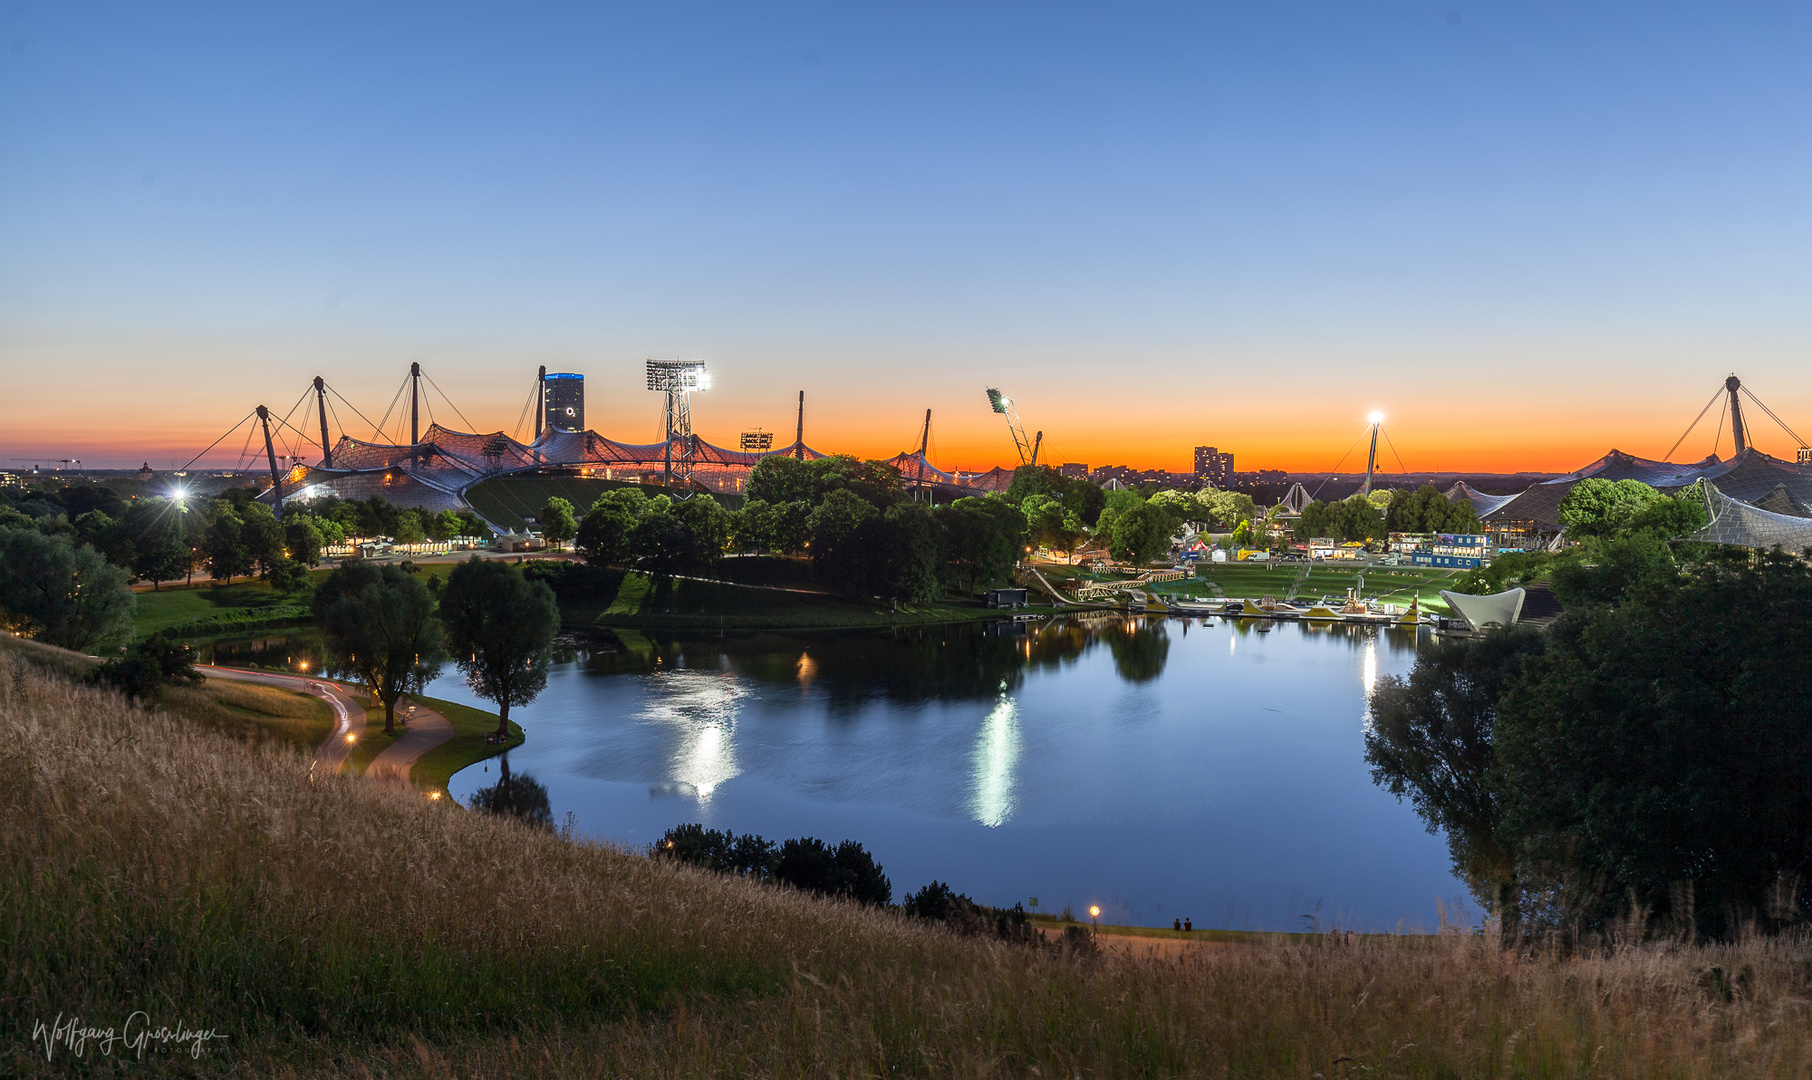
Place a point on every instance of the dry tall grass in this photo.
(340, 928)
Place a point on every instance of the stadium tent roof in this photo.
(1750, 476)
(1297, 499)
(1480, 501)
(1736, 522)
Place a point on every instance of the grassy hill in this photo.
(330, 926)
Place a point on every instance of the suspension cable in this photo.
(1669, 456)
(218, 441)
(399, 396)
(1393, 450)
(471, 427)
(1773, 417)
(376, 432)
(1337, 464)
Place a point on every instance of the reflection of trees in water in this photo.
(1139, 649)
(952, 663)
(519, 796)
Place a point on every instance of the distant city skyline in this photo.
(1526, 234)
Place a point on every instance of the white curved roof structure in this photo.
(1498, 609)
(1739, 523)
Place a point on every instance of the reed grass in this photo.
(331, 926)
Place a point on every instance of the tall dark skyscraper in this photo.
(563, 402)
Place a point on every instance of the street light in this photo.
(1094, 913)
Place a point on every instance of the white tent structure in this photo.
(1744, 525)
(1498, 609)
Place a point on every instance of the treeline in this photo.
(1649, 754)
(868, 537)
(849, 871)
(226, 536)
(1361, 518)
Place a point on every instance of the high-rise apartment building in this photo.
(1213, 466)
(563, 402)
(1074, 470)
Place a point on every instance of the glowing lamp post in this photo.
(1094, 914)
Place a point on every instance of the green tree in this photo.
(289, 575)
(984, 539)
(500, 629)
(1595, 507)
(260, 537)
(603, 537)
(153, 539)
(409, 527)
(1660, 752)
(835, 544)
(708, 523)
(558, 525)
(896, 555)
(62, 594)
(753, 527)
(660, 543)
(379, 624)
(1140, 534)
(846, 870)
(302, 540)
(150, 666)
(224, 548)
(1430, 741)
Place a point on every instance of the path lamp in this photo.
(1094, 914)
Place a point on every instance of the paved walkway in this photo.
(426, 729)
(348, 711)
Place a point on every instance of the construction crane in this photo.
(1028, 448)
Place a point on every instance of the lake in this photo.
(1157, 767)
(1153, 767)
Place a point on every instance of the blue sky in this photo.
(1245, 224)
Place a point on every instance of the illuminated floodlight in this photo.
(1375, 418)
(681, 376)
(998, 401)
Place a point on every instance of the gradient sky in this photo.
(1528, 232)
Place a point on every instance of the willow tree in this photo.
(379, 624)
(500, 626)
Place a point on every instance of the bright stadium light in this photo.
(678, 376)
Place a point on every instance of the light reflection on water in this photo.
(995, 757)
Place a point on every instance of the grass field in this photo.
(325, 926)
(204, 609)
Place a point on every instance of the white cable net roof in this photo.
(1498, 609)
(1738, 523)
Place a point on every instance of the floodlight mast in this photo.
(678, 379)
(1002, 404)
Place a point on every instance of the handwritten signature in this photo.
(135, 1036)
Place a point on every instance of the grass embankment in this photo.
(216, 609)
(336, 926)
(251, 712)
(690, 604)
(434, 768)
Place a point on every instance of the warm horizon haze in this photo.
(1526, 234)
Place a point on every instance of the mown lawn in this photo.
(210, 608)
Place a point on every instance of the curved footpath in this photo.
(426, 730)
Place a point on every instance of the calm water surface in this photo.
(1158, 768)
